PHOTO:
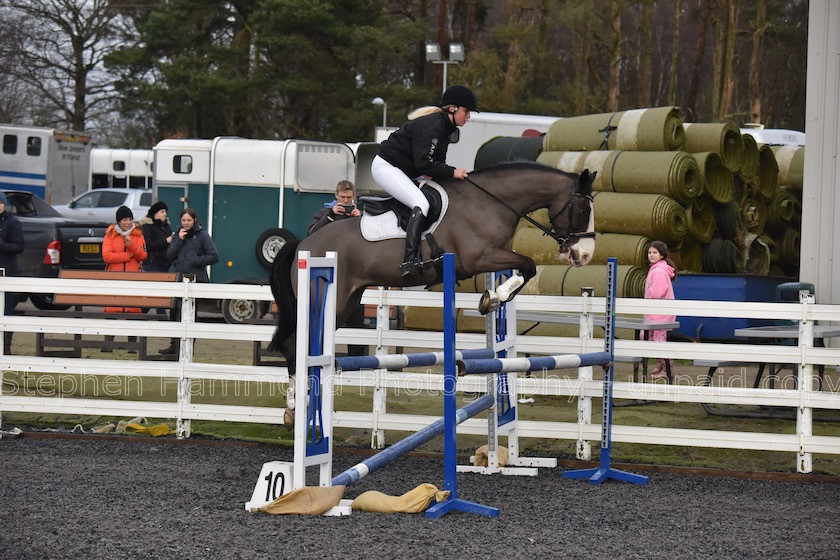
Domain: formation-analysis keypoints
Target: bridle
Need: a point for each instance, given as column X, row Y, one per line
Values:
column 561, row 240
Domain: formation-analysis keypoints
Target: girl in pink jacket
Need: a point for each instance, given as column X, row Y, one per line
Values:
column 659, row 286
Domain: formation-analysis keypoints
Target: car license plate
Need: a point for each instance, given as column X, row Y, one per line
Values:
column 88, row 248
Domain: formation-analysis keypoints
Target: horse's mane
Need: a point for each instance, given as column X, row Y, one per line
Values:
column 519, row 165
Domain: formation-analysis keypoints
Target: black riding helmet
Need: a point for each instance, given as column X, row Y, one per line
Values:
column 462, row 96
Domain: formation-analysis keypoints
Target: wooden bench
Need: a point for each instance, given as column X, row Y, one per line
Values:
column 56, row 345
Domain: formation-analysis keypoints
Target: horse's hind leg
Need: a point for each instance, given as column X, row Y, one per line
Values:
column 289, row 351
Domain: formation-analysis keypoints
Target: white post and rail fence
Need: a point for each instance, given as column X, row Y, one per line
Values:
column 804, row 396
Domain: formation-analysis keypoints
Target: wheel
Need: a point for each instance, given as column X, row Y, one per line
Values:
column 44, row 302
column 238, row 311
column 269, row 243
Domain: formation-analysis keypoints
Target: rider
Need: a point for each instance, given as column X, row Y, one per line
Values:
column 419, row 148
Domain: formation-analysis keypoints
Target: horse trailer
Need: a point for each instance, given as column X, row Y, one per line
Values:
column 50, row 163
column 252, row 196
column 120, row 168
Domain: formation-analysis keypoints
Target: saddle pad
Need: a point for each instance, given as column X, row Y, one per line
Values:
column 385, row 226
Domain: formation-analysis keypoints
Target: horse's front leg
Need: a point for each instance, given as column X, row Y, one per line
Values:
column 501, row 260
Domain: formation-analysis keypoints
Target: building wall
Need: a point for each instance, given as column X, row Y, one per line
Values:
column 820, row 250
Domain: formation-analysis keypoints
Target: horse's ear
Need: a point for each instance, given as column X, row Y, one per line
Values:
column 585, row 181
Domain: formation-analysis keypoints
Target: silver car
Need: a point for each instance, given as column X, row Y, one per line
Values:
column 101, row 205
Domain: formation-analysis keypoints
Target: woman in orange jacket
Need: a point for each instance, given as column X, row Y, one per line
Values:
column 124, row 249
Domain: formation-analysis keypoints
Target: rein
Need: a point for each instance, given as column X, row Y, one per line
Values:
column 560, row 239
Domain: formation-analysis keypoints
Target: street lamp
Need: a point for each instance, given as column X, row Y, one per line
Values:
column 433, row 55
column 381, row 102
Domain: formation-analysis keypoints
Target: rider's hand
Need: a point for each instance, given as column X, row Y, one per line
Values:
column 460, row 173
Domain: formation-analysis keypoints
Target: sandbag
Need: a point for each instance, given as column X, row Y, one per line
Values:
column 413, row 501
column 482, row 455
column 309, row 500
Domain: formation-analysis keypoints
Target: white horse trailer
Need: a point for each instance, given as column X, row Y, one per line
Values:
column 50, row 163
column 120, row 168
column 252, row 196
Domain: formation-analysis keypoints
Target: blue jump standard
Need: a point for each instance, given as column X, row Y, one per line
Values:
column 398, row 361
column 450, row 373
column 605, row 470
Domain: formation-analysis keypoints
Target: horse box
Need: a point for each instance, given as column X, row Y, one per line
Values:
column 722, row 287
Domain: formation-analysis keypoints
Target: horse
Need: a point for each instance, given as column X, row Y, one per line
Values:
column 478, row 226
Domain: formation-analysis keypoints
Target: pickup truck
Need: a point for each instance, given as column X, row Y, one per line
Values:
column 53, row 242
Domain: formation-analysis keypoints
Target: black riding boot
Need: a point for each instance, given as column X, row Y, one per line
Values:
column 412, row 243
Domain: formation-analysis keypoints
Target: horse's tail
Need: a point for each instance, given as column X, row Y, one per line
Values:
column 281, row 287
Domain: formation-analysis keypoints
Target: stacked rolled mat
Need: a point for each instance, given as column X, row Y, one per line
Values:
column 722, row 202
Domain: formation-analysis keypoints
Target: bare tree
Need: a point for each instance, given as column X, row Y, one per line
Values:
column 58, row 53
column 759, row 27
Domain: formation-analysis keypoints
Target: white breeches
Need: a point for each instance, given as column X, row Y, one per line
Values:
column 398, row 185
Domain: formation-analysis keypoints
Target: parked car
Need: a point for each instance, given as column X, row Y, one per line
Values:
column 53, row 242
column 100, row 205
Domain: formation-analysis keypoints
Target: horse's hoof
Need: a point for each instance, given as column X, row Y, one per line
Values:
column 488, row 303
column 289, row 419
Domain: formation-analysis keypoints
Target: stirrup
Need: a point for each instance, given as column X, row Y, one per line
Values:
column 410, row 269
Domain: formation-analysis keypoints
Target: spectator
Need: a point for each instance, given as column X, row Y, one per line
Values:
column 192, row 250
column 158, row 235
column 123, row 249
column 659, row 286
column 343, row 207
column 11, row 245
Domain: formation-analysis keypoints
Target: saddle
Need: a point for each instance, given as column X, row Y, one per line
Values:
column 378, row 205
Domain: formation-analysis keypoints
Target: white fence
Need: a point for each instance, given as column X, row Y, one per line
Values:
column 804, row 397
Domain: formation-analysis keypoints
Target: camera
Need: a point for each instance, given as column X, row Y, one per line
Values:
column 348, row 208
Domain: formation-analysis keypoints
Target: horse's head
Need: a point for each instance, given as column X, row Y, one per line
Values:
column 576, row 216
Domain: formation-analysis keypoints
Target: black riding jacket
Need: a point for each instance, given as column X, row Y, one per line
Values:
column 419, row 147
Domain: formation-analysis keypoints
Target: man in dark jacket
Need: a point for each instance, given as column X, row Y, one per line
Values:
column 11, row 245
column 343, row 207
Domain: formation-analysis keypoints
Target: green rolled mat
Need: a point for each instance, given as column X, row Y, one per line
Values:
column 772, row 246
column 749, row 158
column 768, row 171
column 755, row 211
column 673, row 174
column 503, row 149
column 783, row 210
column 730, row 222
column 725, row 139
column 563, row 280
column 756, row 256
column 630, row 250
column 791, row 162
column 532, row 242
column 789, row 250
column 688, row 255
column 656, row 129
column 652, row 215
column 701, row 220
column 716, row 177
column 721, row 256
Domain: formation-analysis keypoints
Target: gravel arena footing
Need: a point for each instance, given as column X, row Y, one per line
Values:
column 119, row 499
